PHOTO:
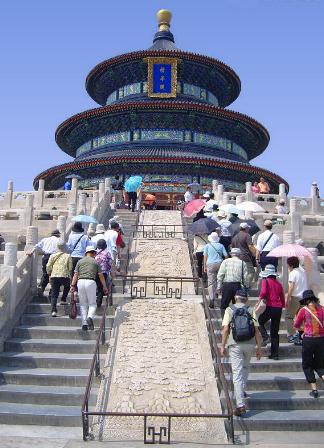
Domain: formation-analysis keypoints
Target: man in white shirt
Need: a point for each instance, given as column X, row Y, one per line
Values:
column 211, row 203
column 111, row 239
column 99, row 234
column 47, row 246
column 297, row 284
column 267, row 241
column 188, row 196
column 226, row 229
column 281, row 208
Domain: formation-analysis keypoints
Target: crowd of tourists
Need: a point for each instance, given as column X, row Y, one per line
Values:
column 232, row 263
column 84, row 264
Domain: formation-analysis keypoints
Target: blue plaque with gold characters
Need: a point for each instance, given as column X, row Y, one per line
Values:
column 162, row 77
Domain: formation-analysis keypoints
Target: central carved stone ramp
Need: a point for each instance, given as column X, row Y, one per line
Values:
column 159, row 359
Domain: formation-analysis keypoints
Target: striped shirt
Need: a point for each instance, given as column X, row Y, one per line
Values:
column 312, row 328
column 233, row 270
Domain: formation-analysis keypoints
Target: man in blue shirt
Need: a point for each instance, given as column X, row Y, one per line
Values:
column 214, row 254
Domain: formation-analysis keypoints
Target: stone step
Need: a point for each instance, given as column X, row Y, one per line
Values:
column 50, row 345
column 44, row 377
column 43, row 319
column 273, row 420
column 289, row 381
column 58, row 332
column 282, row 335
column 29, row 414
column 46, row 360
column 60, row 396
column 284, row 400
column 269, row 365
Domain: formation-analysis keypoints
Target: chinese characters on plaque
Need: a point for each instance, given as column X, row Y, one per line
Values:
column 162, row 77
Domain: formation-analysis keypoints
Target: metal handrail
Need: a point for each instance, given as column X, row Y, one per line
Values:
column 95, row 365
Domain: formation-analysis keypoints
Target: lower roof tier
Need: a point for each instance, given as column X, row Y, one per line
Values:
column 177, row 115
column 128, row 165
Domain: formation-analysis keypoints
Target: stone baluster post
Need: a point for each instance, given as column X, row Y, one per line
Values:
column 102, row 191
column 28, row 212
column 239, row 199
column 40, row 193
column 107, row 184
column 225, row 199
column 95, row 199
column 248, row 191
column 282, row 192
column 108, row 189
column 215, row 187
column 295, row 219
column 61, row 226
column 288, row 237
column 72, row 210
column 9, row 195
column 31, row 240
column 73, row 193
column 313, row 272
column 83, row 203
column 219, row 194
column 9, row 269
column 315, row 200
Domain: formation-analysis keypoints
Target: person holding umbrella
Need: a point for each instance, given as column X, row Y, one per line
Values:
column 214, row 254
column 77, row 243
column 311, row 318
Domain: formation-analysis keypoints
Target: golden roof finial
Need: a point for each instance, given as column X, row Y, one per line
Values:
column 164, row 19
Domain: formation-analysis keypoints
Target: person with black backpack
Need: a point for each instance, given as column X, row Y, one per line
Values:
column 240, row 334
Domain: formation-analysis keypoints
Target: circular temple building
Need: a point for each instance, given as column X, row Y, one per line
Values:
column 162, row 115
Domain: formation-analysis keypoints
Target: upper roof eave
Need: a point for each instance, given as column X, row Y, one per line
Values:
column 93, row 77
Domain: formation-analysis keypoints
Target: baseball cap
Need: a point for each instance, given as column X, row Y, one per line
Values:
column 244, row 225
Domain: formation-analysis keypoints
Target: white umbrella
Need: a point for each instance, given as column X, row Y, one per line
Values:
column 230, row 208
column 249, row 206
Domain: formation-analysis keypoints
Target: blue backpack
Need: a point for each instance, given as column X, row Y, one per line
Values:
column 242, row 324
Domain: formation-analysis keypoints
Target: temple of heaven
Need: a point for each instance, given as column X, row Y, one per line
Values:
column 162, row 115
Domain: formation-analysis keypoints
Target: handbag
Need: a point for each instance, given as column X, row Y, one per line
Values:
column 261, row 306
column 74, row 310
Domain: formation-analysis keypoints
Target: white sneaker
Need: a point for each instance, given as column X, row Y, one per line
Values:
column 54, row 314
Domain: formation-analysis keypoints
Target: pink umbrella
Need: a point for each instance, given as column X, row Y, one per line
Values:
column 290, row 250
column 193, row 207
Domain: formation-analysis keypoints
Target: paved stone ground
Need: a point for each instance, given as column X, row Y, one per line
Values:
column 161, row 359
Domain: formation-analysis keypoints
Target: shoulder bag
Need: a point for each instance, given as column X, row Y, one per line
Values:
column 261, row 306
column 314, row 315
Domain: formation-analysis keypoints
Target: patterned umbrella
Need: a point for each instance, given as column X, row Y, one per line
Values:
column 193, row 207
column 290, row 250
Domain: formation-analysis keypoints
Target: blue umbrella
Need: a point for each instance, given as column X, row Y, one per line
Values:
column 133, row 183
column 85, row 218
column 203, row 226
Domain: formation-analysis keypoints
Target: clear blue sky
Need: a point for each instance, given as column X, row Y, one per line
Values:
column 275, row 46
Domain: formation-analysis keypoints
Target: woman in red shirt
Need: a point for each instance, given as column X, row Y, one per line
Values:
column 311, row 318
column 273, row 293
